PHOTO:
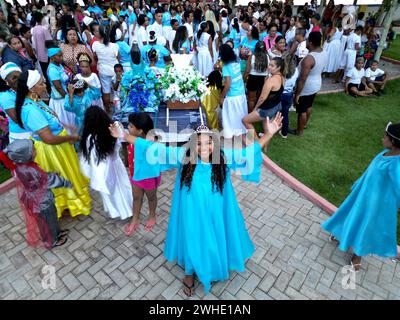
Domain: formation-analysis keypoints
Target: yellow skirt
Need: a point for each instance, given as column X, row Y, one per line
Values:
column 210, row 104
column 62, row 158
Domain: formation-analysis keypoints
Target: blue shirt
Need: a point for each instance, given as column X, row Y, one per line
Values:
column 7, row 101
column 55, row 73
column 124, row 52
column 235, row 36
column 263, row 35
column 161, row 51
column 232, row 70
column 151, row 18
column 35, row 119
column 251, row 45
column 177, row 17
column 123, row 13
column 185, row 45
column 132, row 18
column 166, row 19
column 96, row 10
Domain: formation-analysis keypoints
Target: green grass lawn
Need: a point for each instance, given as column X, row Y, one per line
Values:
column 4, row 174
column 394, row 51
column 342, row 138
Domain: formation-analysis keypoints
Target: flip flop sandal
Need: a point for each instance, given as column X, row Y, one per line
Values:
column 190, row 288
column 63, row 232
column 150, row 224
column 356, row 267
column 131, row 228
column 61, row 241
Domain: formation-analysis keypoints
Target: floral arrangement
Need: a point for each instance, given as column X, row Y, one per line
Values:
column 183, row 84
column 140, row 92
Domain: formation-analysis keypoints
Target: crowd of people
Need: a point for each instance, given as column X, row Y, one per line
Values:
column 261, row 61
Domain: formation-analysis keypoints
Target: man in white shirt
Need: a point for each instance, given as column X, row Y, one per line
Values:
column 157, row 27
column 189, row 24
column 172, row 33
column 376, row 78
column 353, row 45
column 299, row 47
column 141, row 34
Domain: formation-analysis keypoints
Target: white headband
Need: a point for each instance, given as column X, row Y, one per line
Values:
column 33, row 78
column 8, row 68
column 118, row 34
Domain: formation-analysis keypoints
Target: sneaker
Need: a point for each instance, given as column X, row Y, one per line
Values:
column 292, row 131
column 292, row 108
column 280, row 133
column 260, row 134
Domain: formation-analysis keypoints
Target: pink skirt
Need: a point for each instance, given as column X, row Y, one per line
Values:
column 147, row 184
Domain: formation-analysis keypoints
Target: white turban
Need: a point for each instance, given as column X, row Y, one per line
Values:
column 7, row 68
column 118, row 34
column 33, row 78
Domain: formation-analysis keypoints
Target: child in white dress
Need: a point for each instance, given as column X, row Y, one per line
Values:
column 100, row 162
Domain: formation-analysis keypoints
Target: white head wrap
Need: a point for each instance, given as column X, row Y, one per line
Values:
column 33, row 78
column 118, row 34
column 7, row 68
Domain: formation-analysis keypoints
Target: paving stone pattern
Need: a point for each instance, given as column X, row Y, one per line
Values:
column 293, row 259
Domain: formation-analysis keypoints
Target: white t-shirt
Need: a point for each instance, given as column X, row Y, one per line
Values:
column 290, row 34
column 93, row 80
column 106, row 56
column 158, row 29
column 189, row 28
column 302, row 50
column 141, row 35
column 291, row 82
column 171, row 37
column 356, row 75
column 352, row 40
column 373, row 74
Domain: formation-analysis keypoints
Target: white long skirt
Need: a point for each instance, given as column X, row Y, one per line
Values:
column 204, row 62
column 350, row 56
column 234, row 110
column 111, row 180
column 67, row 118
column 334, row 54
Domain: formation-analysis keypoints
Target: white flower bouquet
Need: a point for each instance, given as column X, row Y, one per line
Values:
column 183, row 84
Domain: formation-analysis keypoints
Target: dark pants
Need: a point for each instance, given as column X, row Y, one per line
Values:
column 286, row 101
column 51, row 230
column 44, row 66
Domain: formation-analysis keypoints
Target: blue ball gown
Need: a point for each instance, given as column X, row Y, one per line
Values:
column 206, row 231
column 367, row 219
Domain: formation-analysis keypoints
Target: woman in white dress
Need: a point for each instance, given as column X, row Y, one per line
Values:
column 215, row 40
column 204, row 50
column 332, row 47
column 100, row 162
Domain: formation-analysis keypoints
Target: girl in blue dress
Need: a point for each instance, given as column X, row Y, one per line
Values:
column 80, row 97
column 206, row 231
column 367, row 220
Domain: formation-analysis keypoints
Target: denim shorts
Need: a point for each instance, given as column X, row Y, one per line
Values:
column 270, row 113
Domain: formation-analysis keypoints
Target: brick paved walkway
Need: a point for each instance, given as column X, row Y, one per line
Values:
column 293, row 259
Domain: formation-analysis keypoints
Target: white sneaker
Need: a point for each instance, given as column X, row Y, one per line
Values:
column 280, row 133
column 292, row 108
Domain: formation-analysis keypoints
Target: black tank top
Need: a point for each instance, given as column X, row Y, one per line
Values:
column 273, row 99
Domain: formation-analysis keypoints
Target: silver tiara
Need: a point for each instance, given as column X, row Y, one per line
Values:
column 79, row 84
column 202, row 129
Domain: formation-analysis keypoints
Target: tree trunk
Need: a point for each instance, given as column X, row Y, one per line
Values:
column 386, row 26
